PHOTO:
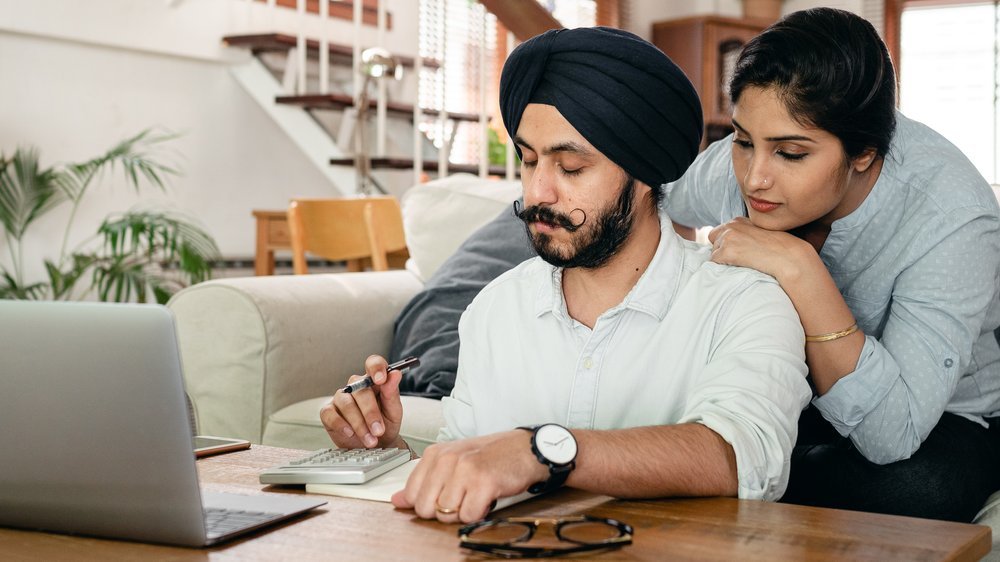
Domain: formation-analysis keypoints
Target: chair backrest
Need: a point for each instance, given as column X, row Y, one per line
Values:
column 345, row 229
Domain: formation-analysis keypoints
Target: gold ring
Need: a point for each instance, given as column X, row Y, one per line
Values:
column 444, row 510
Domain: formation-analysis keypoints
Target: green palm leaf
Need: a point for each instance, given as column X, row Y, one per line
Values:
column 152, row 253
column 11, row 289
column 142, row 254
column 26, row 191
column 138, row 157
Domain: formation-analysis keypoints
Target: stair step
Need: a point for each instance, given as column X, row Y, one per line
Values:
column 386, row 163
column 340, row 101
column 263, row 42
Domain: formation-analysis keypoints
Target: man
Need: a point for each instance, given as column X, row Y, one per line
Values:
column 621, row 360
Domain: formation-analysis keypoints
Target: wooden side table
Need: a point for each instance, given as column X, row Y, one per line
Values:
column 272, row 234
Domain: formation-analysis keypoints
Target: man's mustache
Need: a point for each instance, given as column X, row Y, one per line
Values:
column 540, row 213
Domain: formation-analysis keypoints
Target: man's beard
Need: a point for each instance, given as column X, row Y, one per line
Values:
column 593, row 247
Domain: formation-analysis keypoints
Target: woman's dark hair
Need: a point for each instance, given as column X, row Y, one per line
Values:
column 832, row 71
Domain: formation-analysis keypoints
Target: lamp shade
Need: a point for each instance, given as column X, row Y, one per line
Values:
column 376, row 62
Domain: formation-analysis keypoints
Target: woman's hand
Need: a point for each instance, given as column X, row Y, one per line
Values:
column 776, row 253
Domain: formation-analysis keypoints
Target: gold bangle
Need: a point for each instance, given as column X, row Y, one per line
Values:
column 833, row 335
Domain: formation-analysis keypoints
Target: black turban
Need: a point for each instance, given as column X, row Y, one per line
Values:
column 620, row 92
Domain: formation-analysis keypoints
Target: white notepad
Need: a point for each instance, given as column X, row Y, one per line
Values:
column 382, row 488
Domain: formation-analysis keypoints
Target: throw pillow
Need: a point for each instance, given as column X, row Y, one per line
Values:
column 440, row 214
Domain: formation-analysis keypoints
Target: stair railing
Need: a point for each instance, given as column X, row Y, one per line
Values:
column 296, row 81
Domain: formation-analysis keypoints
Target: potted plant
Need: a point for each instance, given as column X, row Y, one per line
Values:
column 138, row 255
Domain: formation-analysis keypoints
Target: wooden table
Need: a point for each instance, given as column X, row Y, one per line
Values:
column 680, row 529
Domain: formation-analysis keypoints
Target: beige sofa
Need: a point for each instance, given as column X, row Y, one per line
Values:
column 262, row 354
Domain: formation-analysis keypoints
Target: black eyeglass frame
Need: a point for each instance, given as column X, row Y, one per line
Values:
column 511, row 550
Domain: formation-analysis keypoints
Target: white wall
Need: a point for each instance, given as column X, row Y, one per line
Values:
column 80, row 76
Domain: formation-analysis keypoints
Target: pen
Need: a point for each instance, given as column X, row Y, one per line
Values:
column 367, row 381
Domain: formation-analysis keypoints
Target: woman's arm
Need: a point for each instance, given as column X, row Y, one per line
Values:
column 905, row 379
column 823, row 314
column 886, row 394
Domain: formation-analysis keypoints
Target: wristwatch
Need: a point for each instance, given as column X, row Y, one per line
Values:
column 555, row 447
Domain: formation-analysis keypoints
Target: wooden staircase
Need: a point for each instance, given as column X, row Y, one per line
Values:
column 342, row 55
column 523, row 18
column 343, row 101
column 271, row 42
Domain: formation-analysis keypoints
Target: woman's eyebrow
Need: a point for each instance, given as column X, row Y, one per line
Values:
column 782, row 138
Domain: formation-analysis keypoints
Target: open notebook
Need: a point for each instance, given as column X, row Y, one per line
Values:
column 382, row 488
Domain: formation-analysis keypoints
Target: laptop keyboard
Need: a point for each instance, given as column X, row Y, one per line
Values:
column 219, row 521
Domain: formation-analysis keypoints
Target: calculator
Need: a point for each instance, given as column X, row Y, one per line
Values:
column 337, row 466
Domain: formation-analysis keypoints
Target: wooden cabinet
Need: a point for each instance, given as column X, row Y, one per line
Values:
column 706, row 48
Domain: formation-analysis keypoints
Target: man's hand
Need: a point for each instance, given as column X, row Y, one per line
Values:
column 460, row 480
column 369, row 417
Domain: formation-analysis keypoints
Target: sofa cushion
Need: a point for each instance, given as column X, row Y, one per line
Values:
column 439, row 215
column 298, row 426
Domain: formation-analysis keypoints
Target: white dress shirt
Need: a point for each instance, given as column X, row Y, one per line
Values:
column 692, row 342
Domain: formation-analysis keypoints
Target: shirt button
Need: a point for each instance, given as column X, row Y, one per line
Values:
column 587, row 363
column 948, row 363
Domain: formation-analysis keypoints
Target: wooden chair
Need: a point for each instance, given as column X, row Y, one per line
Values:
column 348, row 230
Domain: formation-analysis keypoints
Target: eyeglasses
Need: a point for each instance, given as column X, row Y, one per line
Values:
column 504, row 537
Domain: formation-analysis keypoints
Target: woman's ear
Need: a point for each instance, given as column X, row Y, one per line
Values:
column 863, row 161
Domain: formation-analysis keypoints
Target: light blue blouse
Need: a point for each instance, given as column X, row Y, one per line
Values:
column 918, row 264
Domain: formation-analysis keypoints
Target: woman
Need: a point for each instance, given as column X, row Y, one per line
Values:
column 887, row 241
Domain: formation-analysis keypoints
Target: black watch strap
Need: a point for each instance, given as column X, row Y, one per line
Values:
column 558, row 473
column 557, row 477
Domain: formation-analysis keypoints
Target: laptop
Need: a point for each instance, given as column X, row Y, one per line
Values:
column 95, row 437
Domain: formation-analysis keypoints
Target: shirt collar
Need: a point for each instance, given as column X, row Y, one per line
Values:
column 652, row 294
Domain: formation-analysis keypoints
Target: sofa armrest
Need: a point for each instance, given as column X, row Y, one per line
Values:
column 251, row 346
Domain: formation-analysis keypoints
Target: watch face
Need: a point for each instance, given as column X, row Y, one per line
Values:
column 556, row 443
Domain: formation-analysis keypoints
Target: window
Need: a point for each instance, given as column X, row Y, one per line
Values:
column 451, row 32
column 572, row 13
column 949, row 71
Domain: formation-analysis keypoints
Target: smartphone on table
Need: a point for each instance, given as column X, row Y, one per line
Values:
column 206, row 445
